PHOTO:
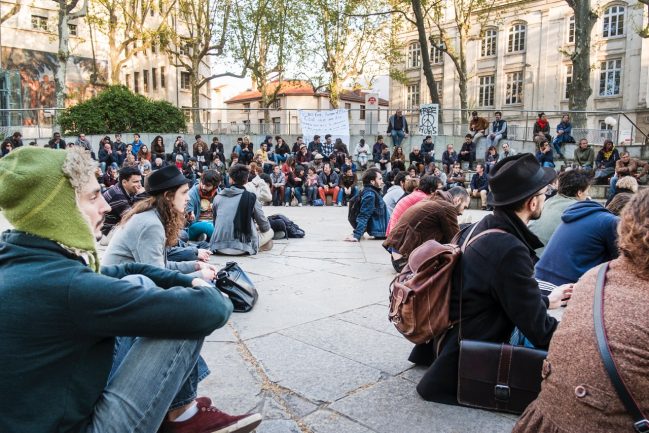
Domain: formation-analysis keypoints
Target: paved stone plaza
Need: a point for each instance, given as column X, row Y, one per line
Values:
column 317, row 353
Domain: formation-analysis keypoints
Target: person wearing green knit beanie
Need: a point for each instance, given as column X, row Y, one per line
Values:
column 39, row 190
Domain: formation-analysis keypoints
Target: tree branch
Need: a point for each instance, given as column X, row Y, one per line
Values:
column 12, row 12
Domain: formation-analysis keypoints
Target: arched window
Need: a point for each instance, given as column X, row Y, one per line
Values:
column 516, row 38
column 613, row 21
column 414, row 55
column 489, row 39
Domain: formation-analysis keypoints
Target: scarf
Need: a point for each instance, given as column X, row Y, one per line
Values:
column 243, row 217
column 607, row 155
column 542, row 123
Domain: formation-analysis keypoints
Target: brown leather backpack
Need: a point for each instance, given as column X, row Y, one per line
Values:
column 420, row 296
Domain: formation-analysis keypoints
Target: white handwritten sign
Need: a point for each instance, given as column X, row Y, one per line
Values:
column 428, row 119
column 334, row 122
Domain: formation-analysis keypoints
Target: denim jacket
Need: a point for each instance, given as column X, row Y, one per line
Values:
column 373, row 216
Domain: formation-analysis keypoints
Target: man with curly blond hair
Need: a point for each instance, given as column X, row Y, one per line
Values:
column 59, row 314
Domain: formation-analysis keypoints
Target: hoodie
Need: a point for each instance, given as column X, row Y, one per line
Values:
column 586, row 237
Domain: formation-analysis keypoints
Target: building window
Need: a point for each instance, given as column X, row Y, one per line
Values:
column 246, row 107
column 136, row 82
column 436, row 55
column 184, row 80
column 412, row 96
column 514, row 88
column 39, row 22
column 414, row 55
column 184, row 49
column 275, row 105
column 605, row 130
column 566, row 94
column 613, row 22
column 489, row 39
column 145, row 80
column 154, row 79
column 362, row 112
column 609, row 77
column 72, row 29
column 516, row 41
column 154, row 47
column 128, row 80
column 487, row 90
column 163, row 78
column 571, row 30
column 348, row 107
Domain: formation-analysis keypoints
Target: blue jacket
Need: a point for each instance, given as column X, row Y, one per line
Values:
column 373, row 216
column 480, row 183
column 586, row 237
column 194, row 202
column 58, row 330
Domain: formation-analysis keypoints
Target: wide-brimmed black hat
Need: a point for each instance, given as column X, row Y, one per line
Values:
column 517, row 177
column 163, row 179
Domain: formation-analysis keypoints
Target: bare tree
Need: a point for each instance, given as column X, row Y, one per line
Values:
column 129, row 27
column 12, row 12
column 201, row 36
column 464, row 11
column 65, row 15
column 580, row 90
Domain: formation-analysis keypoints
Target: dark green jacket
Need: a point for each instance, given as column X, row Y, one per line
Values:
column 58, row 320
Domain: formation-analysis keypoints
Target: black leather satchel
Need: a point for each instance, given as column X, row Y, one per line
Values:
column 640, row 422
column 233, row 281
column 498, row 377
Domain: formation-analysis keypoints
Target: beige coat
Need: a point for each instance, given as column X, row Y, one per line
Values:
column 577, row 395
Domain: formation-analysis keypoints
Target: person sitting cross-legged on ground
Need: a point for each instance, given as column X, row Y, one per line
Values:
column 434, row 218
column 427, row 186
column 498, row 291
column 278, row 185
column 200, row 215
column 574, row 186
column 347, row 185
column 66, row 341
column 396, row 191
column 577, row 394
column 586, row 237
column 480, row 185
column 373, row 215
column 328, row 184
column 238, row 213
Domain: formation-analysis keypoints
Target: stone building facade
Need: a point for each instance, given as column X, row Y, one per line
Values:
column 517, row 63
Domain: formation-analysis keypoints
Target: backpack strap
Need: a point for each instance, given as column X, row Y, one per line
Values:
column 640, row 424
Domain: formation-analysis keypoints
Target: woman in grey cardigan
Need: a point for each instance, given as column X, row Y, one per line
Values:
column 237, row 213
column 154, row 224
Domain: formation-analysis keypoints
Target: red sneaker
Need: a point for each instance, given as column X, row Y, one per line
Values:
column 211, row 420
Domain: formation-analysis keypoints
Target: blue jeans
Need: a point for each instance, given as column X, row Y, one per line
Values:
column 613, row 187
column 197, row 228
column 344, row 198
column 311, row 194
column 397, row 137
column 297, row 191
column 124, row 345
column 548, row 164
column 140, row 391
column 280, row 158
column 103, row 166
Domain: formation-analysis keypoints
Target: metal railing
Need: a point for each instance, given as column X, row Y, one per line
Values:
column 41, row 123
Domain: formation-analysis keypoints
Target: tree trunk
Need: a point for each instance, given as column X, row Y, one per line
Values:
column 462, row 73
column 334, row 90
column 580, row 90
column 196, row 115
column 62, row 55
column 114, row 51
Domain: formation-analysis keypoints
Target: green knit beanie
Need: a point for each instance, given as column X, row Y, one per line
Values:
column 36, row 197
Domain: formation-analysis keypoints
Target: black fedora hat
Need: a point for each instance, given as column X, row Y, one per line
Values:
column 517, row 177
column 163, row 179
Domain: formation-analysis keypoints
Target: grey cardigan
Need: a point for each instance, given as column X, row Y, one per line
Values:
column 142, row 240
column 225, row 208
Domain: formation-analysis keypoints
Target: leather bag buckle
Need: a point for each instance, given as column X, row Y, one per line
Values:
column 641, row 426
column 501, row 393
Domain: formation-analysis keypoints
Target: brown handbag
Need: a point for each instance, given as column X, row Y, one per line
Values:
column 498, row 376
